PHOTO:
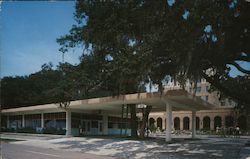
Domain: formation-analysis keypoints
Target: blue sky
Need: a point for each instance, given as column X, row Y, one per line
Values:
column 28, row 35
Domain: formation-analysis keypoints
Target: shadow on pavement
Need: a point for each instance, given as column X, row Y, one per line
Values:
column 156, row 148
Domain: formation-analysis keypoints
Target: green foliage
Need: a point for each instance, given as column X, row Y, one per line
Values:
column 130, row 43
column 149, row 40
column 66, row 82
column 26, row 130
column 29, row 90
column 152, row 128
column 7, row 129
column 55, row 131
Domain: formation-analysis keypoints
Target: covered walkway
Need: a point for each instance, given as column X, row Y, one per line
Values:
column 172, row 100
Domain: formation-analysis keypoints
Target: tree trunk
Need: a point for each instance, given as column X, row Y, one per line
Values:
column 145, row 114
column 133, row 120
column 248, row 120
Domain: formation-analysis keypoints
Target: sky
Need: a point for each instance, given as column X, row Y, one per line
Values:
column 28, row 33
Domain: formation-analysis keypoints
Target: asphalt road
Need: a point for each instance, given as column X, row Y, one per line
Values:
column 13, row 151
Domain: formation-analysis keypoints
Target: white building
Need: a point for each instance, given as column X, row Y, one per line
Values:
column 223, row 116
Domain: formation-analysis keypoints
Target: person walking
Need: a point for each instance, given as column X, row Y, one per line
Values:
column 237, row 131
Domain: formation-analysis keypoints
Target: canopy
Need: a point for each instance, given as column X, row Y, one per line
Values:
column 178, row 99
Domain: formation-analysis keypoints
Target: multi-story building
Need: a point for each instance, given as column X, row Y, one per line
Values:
column 225, row 114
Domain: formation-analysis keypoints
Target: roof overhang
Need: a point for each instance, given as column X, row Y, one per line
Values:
column 180, row 100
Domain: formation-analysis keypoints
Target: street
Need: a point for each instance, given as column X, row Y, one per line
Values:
column 13, row 151
column 36, row 146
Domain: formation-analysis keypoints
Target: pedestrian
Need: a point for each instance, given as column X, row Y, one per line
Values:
column 217, row 130
column 237, row 131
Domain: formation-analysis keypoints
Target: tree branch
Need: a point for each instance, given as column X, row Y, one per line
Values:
column 227, row 91
column 243, row 58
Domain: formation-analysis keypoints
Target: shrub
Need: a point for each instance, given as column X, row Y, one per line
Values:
column 7, row 129
column 55, row 131
column 26, row 130
column 152, row 128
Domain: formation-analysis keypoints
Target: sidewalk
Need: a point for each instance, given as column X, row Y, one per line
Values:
column 245, row 153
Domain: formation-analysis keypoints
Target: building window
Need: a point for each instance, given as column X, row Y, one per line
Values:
column 88, row 126
column 159, row 123
column 206, row 98
column 206, row 123
column 190, row 90
column 94, row 124
column 151, row 122
column 177, row 123
column 229, row 121
column 15, row 121
column 33, row 120
column 222, row 103
column 186, row 123
column 207, row 88
column 122, row 125
column 198, row 89
column 197, row 123
column 111, row 125
column 217, row 122
column 100, row 128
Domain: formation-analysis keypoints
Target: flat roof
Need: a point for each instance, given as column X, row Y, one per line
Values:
column 179, row 100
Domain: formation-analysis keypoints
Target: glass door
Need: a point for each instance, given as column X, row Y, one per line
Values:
column 88, row 127
column 100, row 127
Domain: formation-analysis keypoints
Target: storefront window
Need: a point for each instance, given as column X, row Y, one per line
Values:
column 55, row 120
column 94, row 124
column 110, row 125
column 15, row 121
column 33, row 120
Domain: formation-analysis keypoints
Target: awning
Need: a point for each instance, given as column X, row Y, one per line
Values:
column 180, row 100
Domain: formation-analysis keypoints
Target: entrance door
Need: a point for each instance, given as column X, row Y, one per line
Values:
column 86, row 125
column 92, row 127
column 100, row 127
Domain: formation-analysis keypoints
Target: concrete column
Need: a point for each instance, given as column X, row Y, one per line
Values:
column 163, row 123
column 190, row 122
column 68, row 123
column 23, row 121
column 42, row 120
column 181, row 123
column 223, row 121
column 105, row 124
column 169, row 122
column 211, row 124
column 201, row 122
column 193, row 124
column 8, row 121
